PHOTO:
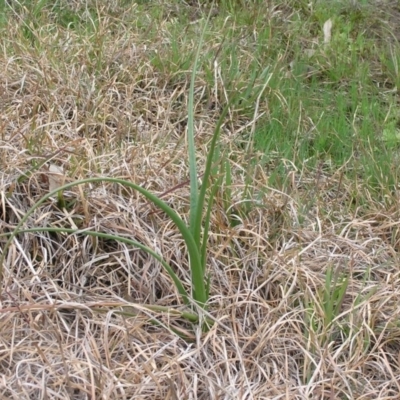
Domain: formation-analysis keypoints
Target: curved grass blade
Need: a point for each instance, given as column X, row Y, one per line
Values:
column 197, row 275
column 121, row 239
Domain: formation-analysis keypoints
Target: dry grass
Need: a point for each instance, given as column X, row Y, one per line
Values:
column 62, row 331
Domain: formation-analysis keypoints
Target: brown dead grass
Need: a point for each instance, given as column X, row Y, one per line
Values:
column 62, row 333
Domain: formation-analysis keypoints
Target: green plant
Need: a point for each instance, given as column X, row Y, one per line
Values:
column 323, row 317
column 325, row 310
column 195, row 233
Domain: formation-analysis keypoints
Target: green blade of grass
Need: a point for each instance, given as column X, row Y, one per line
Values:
column 207, row 219
column 196, row 204
column 208, row 169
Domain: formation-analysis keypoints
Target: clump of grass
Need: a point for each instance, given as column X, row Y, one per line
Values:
column 325, row 103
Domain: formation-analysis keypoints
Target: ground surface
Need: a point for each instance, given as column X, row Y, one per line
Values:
column 304, row 242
